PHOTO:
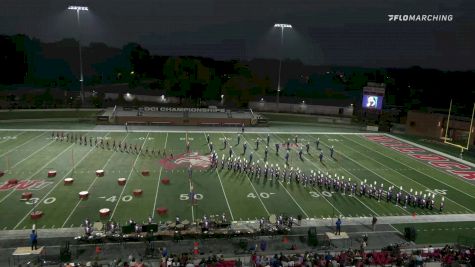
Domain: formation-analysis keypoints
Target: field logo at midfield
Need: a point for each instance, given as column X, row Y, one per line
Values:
column 25, row 185
column 184, row 160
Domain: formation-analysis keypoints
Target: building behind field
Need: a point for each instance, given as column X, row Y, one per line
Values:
column 433, row 125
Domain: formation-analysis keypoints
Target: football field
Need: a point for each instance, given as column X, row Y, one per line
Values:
column 27, row 156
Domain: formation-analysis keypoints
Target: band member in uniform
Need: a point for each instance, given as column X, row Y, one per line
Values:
column 277, row 146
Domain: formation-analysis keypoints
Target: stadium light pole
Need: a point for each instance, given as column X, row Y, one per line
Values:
column 78, row 10
column 282, row 26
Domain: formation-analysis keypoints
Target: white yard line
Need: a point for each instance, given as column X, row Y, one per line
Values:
column 38, row 171
column 288, row 193
column 16, row 147
column 399, row 174
column 90, row 186
column 294, row 200
column 192, row 200
column 32, row 154
column 222, row 188
column 158, row 183
column 6, row 140
column 194, row 131
column 128, row 177
column 51, row 190
column 191, row 189
column 320, row 194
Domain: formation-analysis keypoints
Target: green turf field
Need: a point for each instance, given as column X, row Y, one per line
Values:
column 28, row 155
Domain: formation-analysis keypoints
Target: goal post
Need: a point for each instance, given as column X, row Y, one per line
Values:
column 451, row 140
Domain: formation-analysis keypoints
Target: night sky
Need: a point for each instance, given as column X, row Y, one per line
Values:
column 330, row 32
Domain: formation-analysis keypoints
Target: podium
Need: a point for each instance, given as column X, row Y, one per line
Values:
column 23, row 254
column 343, row 240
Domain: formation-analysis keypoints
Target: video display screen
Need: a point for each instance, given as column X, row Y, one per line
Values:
column 372, row 102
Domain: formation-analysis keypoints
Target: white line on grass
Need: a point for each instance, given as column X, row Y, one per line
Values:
column 316, row 188
column 195, row 131
column 38, row 171
column 386, row 156
column 6, row 140
column 257, row 194
column 32, row 154
column 222, row 188
column 16, row 147
column 323, row 143
column 192, row 200
column 158, row 183
column 401, row 175
column 90, row 186
column 49, row 192
column 364, row 168
column 288, row 193
column 191, row 190
column 130, row 173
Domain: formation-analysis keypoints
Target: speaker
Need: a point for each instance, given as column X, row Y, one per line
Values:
column 150, row 227
column 410, row 233
column 127, row 229
column 312, row 236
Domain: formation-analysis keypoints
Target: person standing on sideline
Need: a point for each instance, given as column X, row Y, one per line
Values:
column 373, row 222
column 126, row 129
column 338, row 227
column 33, row 239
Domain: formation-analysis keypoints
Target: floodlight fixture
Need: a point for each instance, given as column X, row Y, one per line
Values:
column 78, row 8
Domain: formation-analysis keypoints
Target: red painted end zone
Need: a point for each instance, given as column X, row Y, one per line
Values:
column 430, row 158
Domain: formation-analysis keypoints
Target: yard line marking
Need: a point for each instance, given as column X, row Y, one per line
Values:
column 190, row 131
column 225, row 197
column 222, row 187
column 294, row 199
column 191, row 190
column 16, row 147
column 399, row 174
column 429, row 176
column 3, row 141
column 288, row 193
column 192, row 209
column 366, row 169
column 130, row 173
column 32, row 154
column 158, row 183
column 90, row 186
column 38, row 171
column 257, row 194
column 315, row 187
column 49, row 192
